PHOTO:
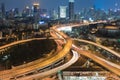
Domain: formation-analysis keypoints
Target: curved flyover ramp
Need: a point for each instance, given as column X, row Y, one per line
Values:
column 115, row 68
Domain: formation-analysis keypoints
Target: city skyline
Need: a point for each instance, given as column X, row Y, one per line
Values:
column 79, row 4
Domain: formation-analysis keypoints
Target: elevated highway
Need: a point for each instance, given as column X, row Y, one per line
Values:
column 105, row 63
column 115, row 68
column 13, row 73
column 30, row 72
column 98, row 45
column 54, row 70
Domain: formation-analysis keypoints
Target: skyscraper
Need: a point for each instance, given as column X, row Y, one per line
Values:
column 36, row 14
column 3, row 9
column 36, row 7
column 27, row 11
column 71, row 9
column 16, row 12
column 36, row 11
column 62, row 11
column 54, row 14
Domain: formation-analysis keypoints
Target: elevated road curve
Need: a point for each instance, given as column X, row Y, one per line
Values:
column 98, row 45
column 34, row 68
column 105, row 63
column 23, row 71
column 108, row 65
column 54, row 70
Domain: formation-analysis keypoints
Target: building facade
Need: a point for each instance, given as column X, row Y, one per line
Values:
column 62, row 11
column 71, row 9
column 3, row 9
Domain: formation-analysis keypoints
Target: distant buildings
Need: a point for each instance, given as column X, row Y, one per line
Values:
column 62, row 11
column 16, row 12
column 71, row 9
column 26, row 11
column 36, row 14
column 10, row 14
column 36, row 11
column 36, row 8
column 109, row 31
column 3, row 9
column 54, row 14
column 43, row 12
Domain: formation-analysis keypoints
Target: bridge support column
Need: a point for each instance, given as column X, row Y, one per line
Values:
column 60, row 77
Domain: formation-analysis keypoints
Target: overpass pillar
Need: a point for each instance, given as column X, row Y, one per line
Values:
column 60, row 77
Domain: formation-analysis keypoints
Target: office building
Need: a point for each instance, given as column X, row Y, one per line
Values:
column 16, row 12
column 26, row 11
column 62, row 11
column 35, row 7
column 54, row 14
column 36, row 14
column 71, row 9
column 3, row 9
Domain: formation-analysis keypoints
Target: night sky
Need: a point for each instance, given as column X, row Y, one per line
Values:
column 53, row 4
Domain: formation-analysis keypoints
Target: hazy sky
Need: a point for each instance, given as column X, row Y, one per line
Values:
column 53, row 4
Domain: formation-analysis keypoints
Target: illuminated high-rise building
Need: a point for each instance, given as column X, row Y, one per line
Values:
column 54, row 14
column 71, row 9
column 3, row 9
column 27, row 11
column 36, row 14
column 16, row 12
column 62, row 11
column 36, row 7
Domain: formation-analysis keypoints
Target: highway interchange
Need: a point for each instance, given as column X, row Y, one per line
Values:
column 107, row 64
column 6, row 75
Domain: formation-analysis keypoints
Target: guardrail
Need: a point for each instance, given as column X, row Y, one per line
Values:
column 38, row 70
column 54, row 70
